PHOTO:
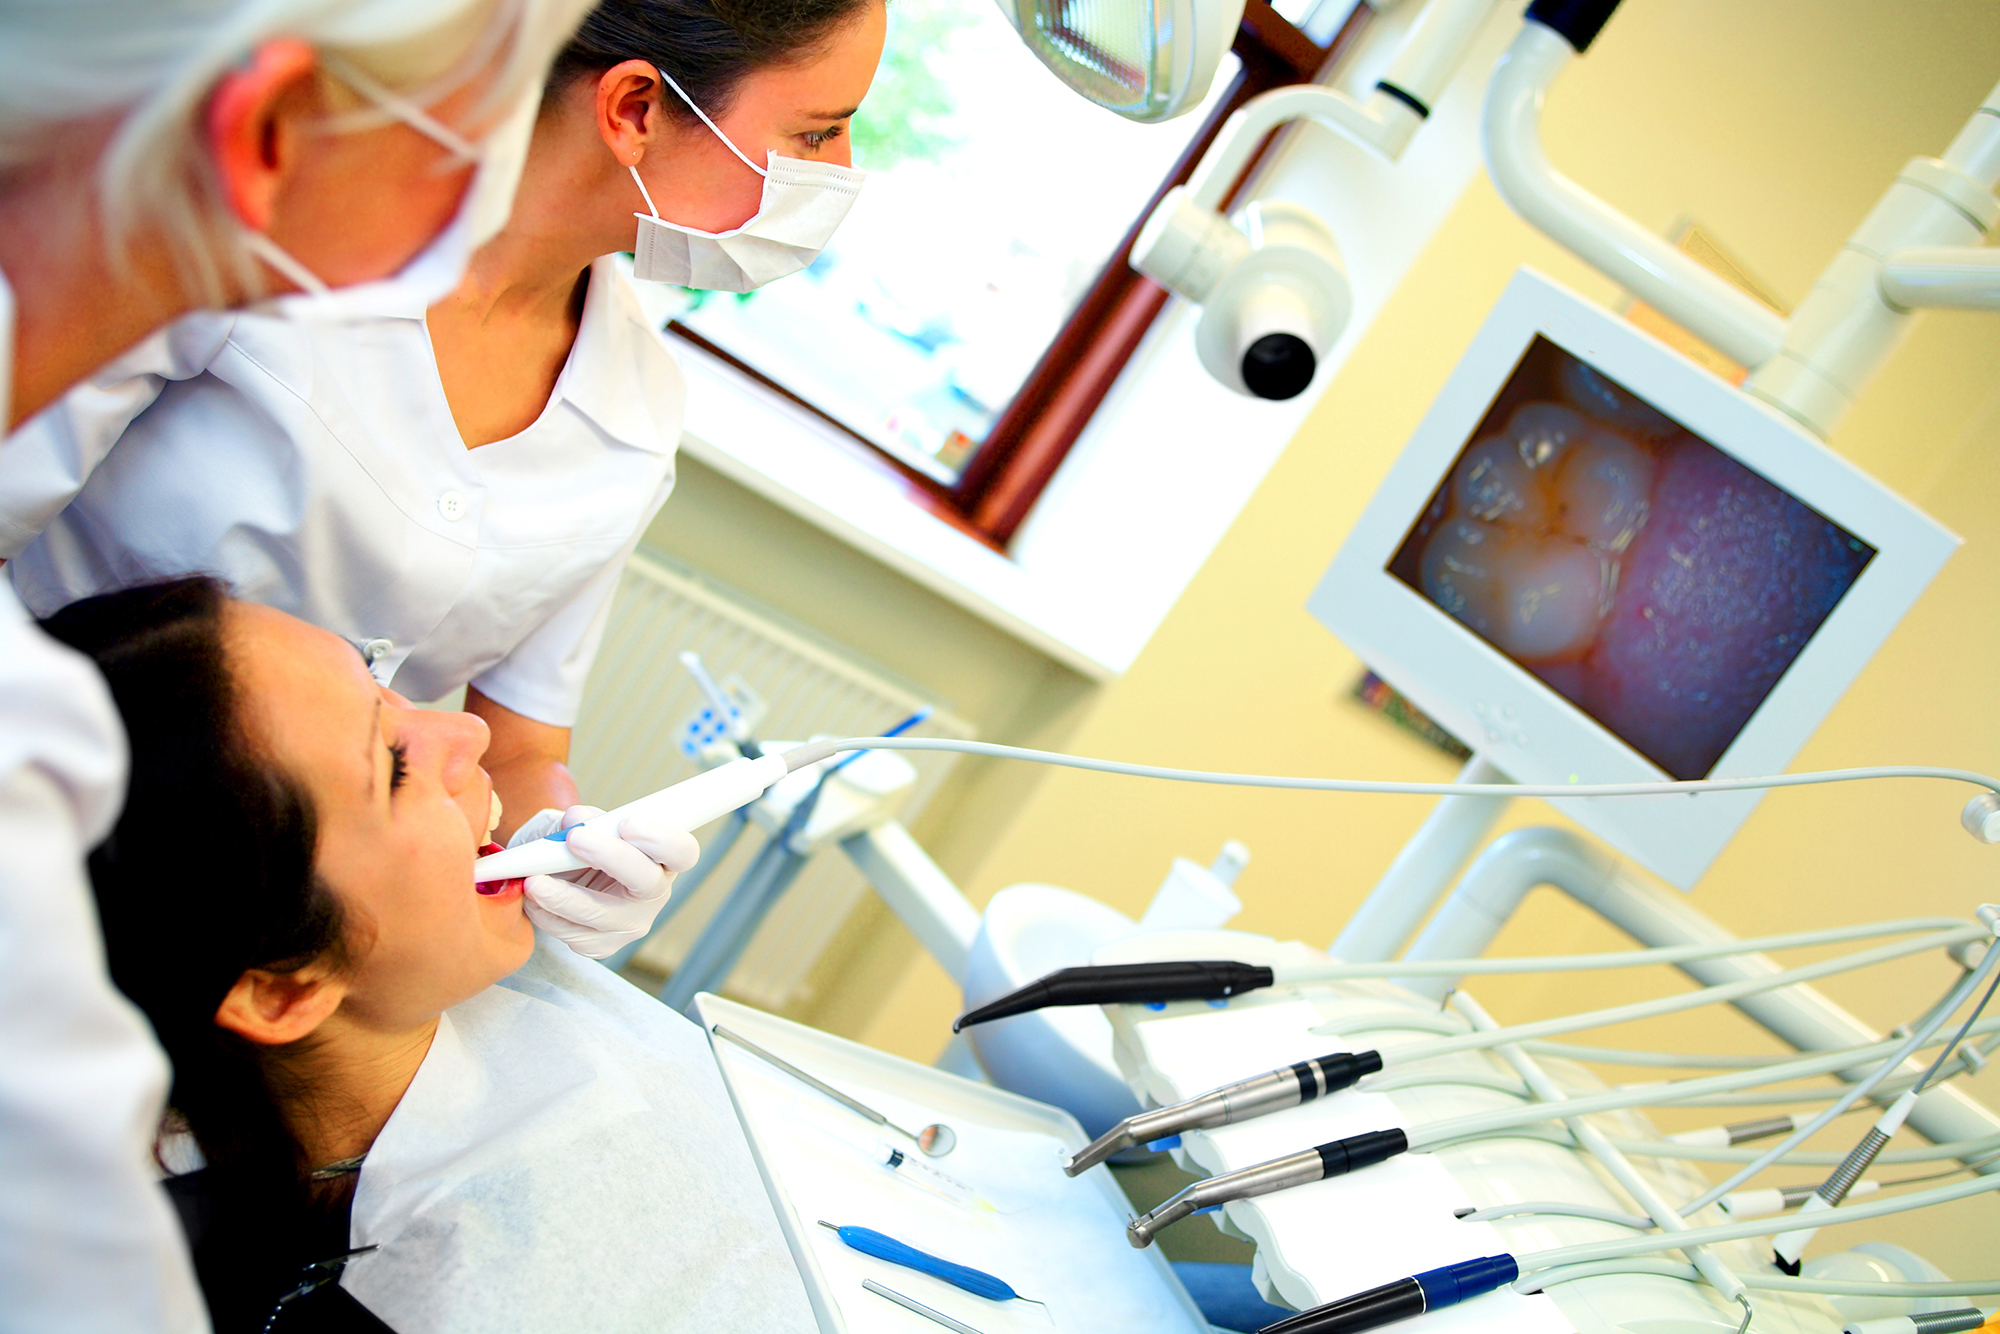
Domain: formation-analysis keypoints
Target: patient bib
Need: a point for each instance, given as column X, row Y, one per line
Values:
column 567, row 1158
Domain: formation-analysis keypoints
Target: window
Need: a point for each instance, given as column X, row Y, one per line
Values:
column 976, row 305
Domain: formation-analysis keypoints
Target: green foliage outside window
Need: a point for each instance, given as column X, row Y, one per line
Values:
column 907, row 116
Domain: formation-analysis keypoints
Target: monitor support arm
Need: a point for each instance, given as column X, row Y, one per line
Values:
column 1647, row 265
column 1919, row 246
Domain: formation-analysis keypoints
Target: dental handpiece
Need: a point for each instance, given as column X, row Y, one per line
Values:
column 688, row 804
column 1259, row 1096
column 1334, row 1158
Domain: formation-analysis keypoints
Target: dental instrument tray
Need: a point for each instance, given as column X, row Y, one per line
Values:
column 1061, row 1241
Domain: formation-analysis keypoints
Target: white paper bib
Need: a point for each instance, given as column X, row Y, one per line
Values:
column 567, row 1158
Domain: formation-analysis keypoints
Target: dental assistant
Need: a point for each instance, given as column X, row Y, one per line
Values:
column 455, row 489
column 159, row 158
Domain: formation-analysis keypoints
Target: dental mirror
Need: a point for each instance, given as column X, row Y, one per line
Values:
column 934, row 1140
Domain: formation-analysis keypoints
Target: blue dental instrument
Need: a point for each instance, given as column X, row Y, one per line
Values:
column 883, row 1247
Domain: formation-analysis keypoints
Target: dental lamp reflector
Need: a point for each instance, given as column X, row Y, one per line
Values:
column 1147, row 60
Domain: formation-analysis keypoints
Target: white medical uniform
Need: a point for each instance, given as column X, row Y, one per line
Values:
column 87, row 1239
column 315, row 466
column 567, row 1158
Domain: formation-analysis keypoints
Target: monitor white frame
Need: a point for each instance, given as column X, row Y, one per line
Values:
column 1523, row 726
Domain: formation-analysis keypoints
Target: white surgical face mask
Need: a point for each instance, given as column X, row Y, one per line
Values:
column 803, row 202
column 437, row 269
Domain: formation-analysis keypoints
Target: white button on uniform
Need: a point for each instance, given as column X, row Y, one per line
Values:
column 375, row 650
column 452, row 505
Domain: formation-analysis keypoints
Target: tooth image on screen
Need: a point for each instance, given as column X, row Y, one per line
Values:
column 1654, row 581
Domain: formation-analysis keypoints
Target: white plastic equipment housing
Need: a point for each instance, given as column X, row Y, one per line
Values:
column 1195, row 897
column 689, row 804
column 1919, row 246
column 1648, row 266
column 1430, row 55
column 1290, row 281
column 1186, row 247
column 1850, row 322
column 1943, row 276
column 1284, row 276
column 1981, row 817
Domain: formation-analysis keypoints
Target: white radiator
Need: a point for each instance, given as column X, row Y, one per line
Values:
column 626, row 745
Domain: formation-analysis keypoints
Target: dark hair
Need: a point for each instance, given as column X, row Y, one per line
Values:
column 208, row 872
column 708, row 46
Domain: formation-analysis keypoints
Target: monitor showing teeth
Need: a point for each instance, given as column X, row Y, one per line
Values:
column 1650, row 578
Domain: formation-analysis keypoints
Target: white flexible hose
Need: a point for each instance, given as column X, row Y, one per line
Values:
column 1876, row 1207
column 1931, row 1153
column 1576, row 963
column 814, row 751
column 1714, row 995
column 1966, row 988
column 1837, row 1287
column 1479, row 1123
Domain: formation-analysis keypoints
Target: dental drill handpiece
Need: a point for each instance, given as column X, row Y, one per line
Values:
column 1261, row 1095
column 1334, row 1158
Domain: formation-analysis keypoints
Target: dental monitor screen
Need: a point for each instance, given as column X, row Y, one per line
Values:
column 1594, row 561
column 1638, row 571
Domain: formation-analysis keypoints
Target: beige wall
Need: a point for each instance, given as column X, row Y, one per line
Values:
column 1774, row 125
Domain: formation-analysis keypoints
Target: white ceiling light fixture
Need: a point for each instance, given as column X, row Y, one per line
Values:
column 1147, row 60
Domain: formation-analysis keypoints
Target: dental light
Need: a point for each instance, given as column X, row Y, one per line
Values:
column 1147, row 60
column 1273, row 295
column 1273, row 292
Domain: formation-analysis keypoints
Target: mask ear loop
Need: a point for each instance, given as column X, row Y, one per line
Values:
column 643, row 193
column 264, row 248
column 402, row 108
column 713, row 127
column 418, row 119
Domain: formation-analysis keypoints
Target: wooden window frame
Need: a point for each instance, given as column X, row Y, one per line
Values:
column 1028, row 442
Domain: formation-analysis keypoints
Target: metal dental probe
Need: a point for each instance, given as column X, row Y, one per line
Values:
column 1259, row 1095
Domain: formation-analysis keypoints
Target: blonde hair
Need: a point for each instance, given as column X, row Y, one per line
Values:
column 154, row 62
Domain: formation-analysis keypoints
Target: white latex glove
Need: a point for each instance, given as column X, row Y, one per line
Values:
column 597, row 911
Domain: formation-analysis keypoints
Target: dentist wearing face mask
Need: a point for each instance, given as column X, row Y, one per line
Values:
column 453, row 481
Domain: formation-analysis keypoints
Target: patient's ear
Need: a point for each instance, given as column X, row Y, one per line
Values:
column 278, row 1008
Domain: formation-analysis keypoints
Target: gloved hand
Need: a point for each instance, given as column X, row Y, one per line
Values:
column 596, row 912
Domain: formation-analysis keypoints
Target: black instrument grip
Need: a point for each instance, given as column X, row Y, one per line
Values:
column 1341, row 1156
column 1401, row 1300
column 1119, row 983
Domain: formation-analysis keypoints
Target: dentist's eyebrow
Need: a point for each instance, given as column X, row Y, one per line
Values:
column 833, row 115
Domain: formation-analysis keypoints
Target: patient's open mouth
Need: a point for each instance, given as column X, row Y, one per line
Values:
column 496, row 888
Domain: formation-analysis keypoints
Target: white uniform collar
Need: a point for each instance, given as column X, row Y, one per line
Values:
column 620, row 373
